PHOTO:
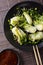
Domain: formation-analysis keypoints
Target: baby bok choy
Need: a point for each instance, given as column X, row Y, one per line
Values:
column 39, row 23
column 36, row 36
column 29, row 28
column 14, row 20
column 28, row 18
column 21, row 36
column 17, row 20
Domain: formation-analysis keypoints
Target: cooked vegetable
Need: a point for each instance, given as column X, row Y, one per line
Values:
column 36, row 36
column 29, row 28
column 14, row 20
column 17, row 20
column 41, row 19
column 39, row 25
column 21, row 36
column 28, row 18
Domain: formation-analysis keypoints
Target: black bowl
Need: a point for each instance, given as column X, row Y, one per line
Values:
column 10, row 14
column 7, row 54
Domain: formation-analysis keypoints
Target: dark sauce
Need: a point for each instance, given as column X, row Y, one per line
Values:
column 8, row 58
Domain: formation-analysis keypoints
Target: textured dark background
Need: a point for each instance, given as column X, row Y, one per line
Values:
column 27, row 57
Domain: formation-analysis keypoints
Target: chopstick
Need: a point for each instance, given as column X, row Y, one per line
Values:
column 37, row 55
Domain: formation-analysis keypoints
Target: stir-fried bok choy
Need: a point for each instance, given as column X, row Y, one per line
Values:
column 27, row 26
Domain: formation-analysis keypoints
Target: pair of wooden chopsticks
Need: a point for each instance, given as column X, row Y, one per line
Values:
column 37, row 55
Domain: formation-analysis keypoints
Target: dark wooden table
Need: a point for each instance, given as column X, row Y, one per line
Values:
column 27, row 57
